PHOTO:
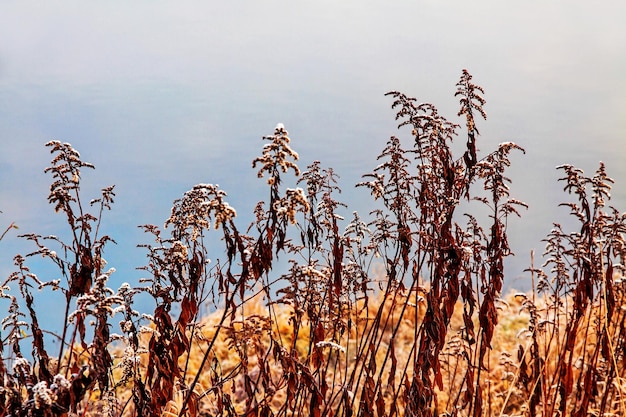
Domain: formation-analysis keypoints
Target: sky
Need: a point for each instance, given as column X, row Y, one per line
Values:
column 162, row 95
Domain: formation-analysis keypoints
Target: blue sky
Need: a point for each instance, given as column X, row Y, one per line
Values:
column 163, row 95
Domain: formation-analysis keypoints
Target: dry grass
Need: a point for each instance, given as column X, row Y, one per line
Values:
column 502, row 388
column 398, row 314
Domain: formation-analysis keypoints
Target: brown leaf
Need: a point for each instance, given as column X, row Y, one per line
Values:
column 380, row 403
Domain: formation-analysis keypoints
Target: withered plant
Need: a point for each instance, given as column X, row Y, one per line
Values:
column 574, row 363
column 391, row 313
column 53, row 385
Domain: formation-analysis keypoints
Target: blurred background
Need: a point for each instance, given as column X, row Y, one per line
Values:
column 160, row 96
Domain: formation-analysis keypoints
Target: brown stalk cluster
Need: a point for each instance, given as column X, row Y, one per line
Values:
column 395, row 314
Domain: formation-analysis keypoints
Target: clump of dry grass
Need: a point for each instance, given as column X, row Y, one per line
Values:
column 397, row 314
